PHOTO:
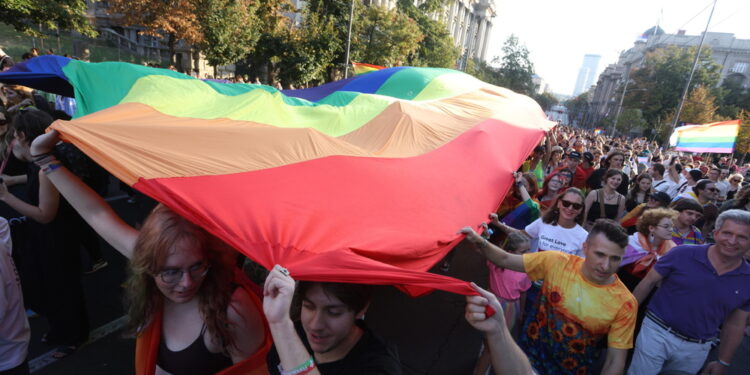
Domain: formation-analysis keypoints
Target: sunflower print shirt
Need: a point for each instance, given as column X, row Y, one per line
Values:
column 572, row 316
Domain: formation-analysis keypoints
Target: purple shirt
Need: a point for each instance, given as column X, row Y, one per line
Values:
column 693, row 299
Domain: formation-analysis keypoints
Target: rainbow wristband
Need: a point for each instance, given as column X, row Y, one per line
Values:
column 725, row 364
column 304, row 368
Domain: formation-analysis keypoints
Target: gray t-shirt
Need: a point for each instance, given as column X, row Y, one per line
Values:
column 14, row 326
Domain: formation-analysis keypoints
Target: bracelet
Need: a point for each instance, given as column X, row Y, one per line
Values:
column 304, row 368
column 51, row 167
column 45, row 159
column 725, row 364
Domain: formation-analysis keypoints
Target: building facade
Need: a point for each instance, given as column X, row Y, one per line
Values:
column 587, row 73
column 731, row 53
column 468, row 21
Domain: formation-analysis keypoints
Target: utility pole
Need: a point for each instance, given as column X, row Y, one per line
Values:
column 692, row 71
column 349, row 41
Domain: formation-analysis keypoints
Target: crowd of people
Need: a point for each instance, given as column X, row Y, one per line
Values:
column 607, row 255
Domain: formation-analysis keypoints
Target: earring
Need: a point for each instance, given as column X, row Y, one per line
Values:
column 651, row 238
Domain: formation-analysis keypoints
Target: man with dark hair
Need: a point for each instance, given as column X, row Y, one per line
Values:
column 703, row 295
column 331, row 327
column 660, row 183
column 582, row 302
column 684, row 231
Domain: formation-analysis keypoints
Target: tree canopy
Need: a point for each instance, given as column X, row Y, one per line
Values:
column 657, row 86
column 23, row 15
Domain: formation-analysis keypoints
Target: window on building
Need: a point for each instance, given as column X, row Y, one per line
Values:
column 739, row 67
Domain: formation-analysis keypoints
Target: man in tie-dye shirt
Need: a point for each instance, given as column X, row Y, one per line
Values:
column 582, row 303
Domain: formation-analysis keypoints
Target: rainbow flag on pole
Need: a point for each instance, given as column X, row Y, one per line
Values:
column 717, row 137
column 362, row 68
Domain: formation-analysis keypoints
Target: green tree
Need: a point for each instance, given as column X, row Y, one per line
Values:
column 657, row 86
column 743, row 136
column 230, row 30
column 24, row 15
column 310, row 50
column 384, row 37
column 630, row 119
column 173, row 20
column 516, row 70
column 577, row 108
column 732, row 98
column 272, row 43
column 437, row 49
column 546, row 100
column 699, row 107
column 338, row 10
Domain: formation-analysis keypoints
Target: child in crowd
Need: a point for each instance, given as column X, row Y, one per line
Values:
column 510, row 288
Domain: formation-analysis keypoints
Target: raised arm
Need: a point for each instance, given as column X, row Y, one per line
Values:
column 507, row 357
column 278, row 292
column 87, row 202
column 493, row 253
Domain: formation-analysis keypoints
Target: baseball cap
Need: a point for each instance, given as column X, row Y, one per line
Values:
column 588, row 156
column 557, row 148
column 574, row 155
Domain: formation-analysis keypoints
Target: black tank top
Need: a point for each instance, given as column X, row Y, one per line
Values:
column 610, row 210
column 193, row 360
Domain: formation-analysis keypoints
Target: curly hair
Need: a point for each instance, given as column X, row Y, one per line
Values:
column 652, row 217
column 162, row 234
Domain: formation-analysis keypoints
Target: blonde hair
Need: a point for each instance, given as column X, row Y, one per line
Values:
column 652, row 217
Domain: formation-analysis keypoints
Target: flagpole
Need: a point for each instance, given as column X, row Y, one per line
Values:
column 692, row 71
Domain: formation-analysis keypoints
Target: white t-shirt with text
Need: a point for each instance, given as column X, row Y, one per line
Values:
column 556, row 238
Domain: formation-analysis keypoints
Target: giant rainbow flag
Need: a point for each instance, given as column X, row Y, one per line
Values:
column 365, row 180
column 717, row 137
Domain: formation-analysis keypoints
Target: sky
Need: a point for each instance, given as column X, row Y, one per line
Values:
column 559, row 33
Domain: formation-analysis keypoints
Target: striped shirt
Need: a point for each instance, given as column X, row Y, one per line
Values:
column 694, row 237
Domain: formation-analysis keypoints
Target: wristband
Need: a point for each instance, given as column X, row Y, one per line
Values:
column 725, row 364
column 51, row 167
column 304, row 368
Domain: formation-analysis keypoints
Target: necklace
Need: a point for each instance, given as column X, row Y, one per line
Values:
column 609, row 197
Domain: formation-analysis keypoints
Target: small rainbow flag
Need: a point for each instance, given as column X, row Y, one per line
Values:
column 598, row 131
column 362, row 68
column 717, row 137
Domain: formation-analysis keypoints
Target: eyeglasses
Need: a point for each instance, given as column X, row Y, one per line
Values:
column 173, row 276
column 666, row 226
column 566, row 204
column 713, row 190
